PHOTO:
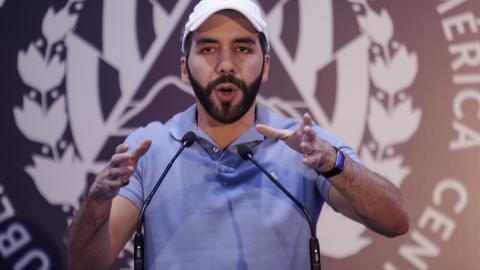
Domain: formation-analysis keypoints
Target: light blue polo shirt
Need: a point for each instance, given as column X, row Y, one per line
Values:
column 215, row 210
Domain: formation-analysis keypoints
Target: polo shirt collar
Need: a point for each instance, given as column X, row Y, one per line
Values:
column 186, row 121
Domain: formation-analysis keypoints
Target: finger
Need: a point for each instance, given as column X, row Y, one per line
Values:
column 307, row 119
column 142, row 149
column 312, row 161
column 125, row 182
column 309, row 161
column 309, row 134
column 120, row 181
column 275, row 133
column 119, row 159
column 120, row 172
column 121, row 148
column 115, row 185
column 307, row 148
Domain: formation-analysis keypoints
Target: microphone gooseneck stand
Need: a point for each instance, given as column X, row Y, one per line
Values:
column 246, row 153
column 187, row 140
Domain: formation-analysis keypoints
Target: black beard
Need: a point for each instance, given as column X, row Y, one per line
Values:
column 226, row 113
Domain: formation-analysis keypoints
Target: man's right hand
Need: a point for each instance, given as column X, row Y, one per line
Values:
column 118, row 171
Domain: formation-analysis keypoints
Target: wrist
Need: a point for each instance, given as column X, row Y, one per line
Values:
column 100, row 195
column 334, row 164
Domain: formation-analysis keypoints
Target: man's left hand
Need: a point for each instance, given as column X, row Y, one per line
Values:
column 317, row 154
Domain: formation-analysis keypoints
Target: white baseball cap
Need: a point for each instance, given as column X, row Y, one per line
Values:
column 207, row 8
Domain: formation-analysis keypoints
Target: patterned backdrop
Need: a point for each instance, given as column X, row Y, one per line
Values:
column 398, row 80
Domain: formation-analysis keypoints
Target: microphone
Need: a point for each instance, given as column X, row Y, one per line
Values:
column 246, row 153
column 187, row 140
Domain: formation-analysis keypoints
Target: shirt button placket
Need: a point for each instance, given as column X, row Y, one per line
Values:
column 216, row 152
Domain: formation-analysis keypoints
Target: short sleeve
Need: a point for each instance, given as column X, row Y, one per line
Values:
column 323, row 184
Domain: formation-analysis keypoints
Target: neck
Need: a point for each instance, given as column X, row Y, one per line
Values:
column 224, row 134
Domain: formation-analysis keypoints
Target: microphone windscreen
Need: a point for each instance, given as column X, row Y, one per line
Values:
column 244, row 151
column 188, row 138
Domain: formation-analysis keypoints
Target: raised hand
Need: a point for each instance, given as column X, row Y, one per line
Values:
column 318, row 154
column 118, row 170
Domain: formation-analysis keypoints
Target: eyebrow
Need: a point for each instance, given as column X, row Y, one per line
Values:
column 201, row 41
column 244, row 40
column 207, row 40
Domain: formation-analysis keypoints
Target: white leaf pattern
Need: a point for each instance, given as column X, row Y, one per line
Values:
column 396, row 75
column 391, row 167
column 378, row 26
column 66, row 175
column 38, row 126
column 389, row 124
column 56, row 25
column 44, row 122
column 393, row 128
column 38, row 73
column 340, row 236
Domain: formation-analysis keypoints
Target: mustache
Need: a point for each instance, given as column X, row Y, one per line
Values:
column 226, row 79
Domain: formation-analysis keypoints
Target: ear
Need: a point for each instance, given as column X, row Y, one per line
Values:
column 266, row 67
column 183, row 70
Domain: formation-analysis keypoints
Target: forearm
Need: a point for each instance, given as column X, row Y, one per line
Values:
column 362, row 195
column 99, row 231
column 89, row 237
column 377, row 202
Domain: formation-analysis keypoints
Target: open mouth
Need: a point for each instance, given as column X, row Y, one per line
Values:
column 226, row 87
column 226, row 90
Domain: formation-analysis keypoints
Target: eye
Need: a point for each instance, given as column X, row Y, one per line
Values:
column 244, row 49
column 207, row 50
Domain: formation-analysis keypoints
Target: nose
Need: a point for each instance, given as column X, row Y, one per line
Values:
column 226, row 63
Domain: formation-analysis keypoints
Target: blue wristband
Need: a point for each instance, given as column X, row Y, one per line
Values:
column 339, row 164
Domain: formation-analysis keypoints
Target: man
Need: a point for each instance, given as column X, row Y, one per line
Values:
column 214, row 210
